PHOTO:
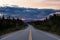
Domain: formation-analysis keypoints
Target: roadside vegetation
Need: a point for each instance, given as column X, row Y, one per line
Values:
column 8, row 25
column 50, row 25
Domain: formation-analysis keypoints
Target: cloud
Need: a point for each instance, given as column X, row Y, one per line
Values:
column 52, row 1
column 55, row 4
column 1, row 14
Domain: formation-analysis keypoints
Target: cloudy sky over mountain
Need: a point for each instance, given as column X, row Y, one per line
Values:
column 55, row 4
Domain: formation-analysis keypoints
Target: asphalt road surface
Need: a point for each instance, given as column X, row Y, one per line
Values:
column 30, row 34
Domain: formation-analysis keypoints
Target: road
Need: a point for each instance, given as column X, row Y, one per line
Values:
column 30, row 34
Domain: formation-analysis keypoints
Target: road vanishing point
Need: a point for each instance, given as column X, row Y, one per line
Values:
column 30, row 33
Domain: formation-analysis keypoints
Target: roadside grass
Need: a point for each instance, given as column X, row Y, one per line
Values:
column 44, row 28
column 12, row 29
column 50, row 25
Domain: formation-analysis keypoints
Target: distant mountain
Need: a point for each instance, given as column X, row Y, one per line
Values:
column 26, row 13
column 57, row 10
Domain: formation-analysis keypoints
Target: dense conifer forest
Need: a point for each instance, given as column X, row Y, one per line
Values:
column 51, row 24
column 10, row 24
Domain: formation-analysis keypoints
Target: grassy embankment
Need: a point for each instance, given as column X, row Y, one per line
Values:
column 50, row 25
column 9, row 25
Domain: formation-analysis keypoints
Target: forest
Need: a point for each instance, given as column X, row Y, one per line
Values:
column 51, row 24
column 9, row 24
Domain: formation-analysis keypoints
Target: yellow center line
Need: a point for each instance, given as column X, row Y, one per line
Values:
column 30, row 35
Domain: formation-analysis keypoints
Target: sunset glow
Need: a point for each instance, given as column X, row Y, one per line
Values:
column 55, row 4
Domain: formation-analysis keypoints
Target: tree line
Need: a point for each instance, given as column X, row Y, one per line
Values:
column 51, row 24
column 10, row 24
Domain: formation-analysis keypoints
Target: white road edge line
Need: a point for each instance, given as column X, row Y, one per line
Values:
column 7, row 36
column 53, row 36
column 50, row 35
column 30, row 35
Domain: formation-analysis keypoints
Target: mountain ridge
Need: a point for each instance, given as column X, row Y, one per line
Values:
column 26, row 13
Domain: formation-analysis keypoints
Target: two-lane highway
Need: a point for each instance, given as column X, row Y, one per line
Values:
column 19, row 35
column 30, row 34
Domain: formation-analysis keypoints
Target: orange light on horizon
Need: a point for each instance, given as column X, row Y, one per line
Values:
column 22, row 19
column 57, row 13
column 54, row 4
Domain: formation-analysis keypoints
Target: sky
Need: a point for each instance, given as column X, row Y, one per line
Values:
column 54, row 4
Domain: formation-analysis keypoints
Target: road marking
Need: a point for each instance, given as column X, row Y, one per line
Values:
column 8, row 36
column 50, row 35
column 30, row 35
column 5, row 37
